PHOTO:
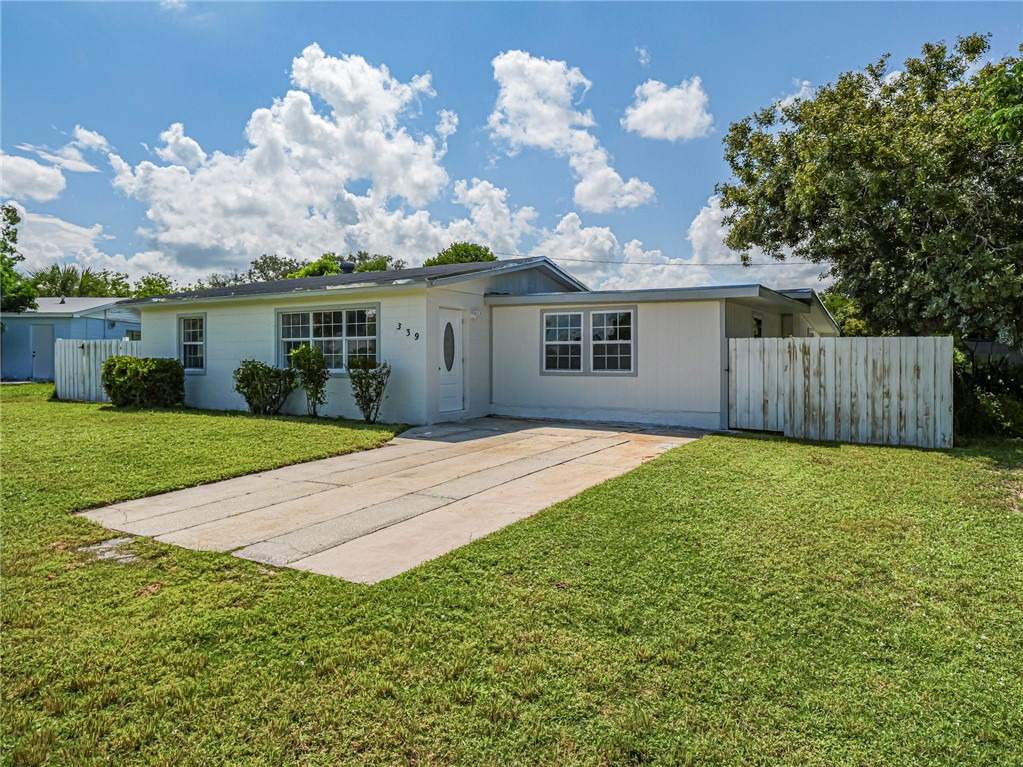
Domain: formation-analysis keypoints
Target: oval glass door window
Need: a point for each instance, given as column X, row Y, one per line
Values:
column 449, row 347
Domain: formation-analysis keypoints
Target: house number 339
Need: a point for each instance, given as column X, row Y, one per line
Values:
column 408, row 332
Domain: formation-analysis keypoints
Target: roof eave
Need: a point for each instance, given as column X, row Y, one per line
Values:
column 157, row 301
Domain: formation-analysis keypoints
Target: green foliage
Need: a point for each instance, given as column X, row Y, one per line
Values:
column 144, row 382
column 16, row 293
column 272, row 267
column 880, row 177
column 154, row 284
column 68, row 280
column 264, row 387
column 988, row 397
column 845, row 312
column 1001, row 107
column 461, row 253
column 364, row 262
column 326, row 264
column 311, row 367
column 368, row 384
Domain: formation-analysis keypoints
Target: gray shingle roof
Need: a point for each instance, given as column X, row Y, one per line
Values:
column 304, row 284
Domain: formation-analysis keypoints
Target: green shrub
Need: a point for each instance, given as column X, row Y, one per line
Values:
column 144, row 381
column 368, row 384
column 308, row 362
column 264, row 387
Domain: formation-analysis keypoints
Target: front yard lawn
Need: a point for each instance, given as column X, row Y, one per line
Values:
column 740, row 600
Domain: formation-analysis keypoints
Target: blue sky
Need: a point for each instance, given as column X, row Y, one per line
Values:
column 584, row 130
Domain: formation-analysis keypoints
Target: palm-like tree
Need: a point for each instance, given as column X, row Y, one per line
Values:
column 60, row 280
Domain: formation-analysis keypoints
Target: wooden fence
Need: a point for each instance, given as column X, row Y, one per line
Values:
column 880, row 391
column 78, row 366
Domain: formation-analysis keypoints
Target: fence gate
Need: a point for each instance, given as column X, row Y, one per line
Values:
column 78, row 366
column 879, row 391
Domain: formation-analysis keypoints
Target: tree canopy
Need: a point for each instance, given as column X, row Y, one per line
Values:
column 16, row 293
column 461, row 253
column 69, row 280
column 896, row 181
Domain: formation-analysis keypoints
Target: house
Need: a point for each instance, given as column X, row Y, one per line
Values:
column 27, row 339
column 519, row 337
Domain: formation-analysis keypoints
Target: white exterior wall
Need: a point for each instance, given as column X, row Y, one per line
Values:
column 238, row 329
column 680, row 358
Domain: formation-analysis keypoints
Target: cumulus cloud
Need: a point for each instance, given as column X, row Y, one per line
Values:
column 536, row 108
column 644, row 56
column 706, row 235
column 660, row 112
column 803, row 90
column 23, row 178
column 290, row 189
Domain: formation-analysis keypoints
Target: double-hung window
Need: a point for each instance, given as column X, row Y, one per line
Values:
column 192, row 332
column 612, row 341
column 342, row 335
column 563, row 342
column 589, row 341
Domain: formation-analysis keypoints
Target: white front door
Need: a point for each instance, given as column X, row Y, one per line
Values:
column 42, row 352
column 449, row 362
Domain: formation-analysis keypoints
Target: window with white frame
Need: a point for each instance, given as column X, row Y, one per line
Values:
column 192, row 331
column 342, row 335
column 133, row 335
column 611, row 333
column 563, row 342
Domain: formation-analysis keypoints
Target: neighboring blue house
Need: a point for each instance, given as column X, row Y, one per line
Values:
column 26, row 343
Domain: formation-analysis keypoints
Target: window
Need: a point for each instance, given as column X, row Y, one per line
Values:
column 758, row 327
column 193, row 343
column 612, row 341
column 133, row 335
column 341, row 335
column 563, row 342
column 591, row 341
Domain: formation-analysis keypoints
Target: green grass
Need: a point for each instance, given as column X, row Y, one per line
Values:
column 744, row 601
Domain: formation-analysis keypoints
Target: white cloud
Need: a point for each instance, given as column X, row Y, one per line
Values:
column 644, row 56
column 23, row 178
column 287, row 192
column 660, row 112
column 803, row 90
column 179, row 149
column 87, row 139
column 707, row 233
column 173, row 5
column 69, row 157
column 536, row 108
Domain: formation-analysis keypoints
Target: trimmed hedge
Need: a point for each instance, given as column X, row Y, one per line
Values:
column 144, row 381
column 264, row 387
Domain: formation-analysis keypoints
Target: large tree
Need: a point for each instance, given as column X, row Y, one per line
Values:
column 69, row 280
column 16, row 293
column 885, row 177
column 461, row 253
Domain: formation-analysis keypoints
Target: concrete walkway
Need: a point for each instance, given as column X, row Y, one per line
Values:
column 369, row 516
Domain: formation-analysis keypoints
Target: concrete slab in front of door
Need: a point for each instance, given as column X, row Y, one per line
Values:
column 369, row 516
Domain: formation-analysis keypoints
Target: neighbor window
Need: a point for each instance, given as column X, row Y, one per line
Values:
column 133, row 335
column 193, row 343
column 758, row 327
column 612, row 341
column 563, row 342
column 342, row 335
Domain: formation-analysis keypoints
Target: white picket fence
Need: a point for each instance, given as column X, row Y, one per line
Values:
column 880, row 391
column 78, row 366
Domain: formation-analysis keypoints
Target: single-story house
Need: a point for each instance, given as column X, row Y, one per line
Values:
column 519, row 337
column 27, row 339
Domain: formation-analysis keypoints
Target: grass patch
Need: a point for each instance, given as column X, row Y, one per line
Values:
column 736, row 601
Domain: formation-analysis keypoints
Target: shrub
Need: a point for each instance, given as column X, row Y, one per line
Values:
column 144, row 381
column 368, row 384
column 264, row 387
column 988, row 398
column 308, row 362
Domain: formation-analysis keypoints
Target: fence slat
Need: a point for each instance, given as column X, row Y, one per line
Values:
column 886, row 391
column 78, row 366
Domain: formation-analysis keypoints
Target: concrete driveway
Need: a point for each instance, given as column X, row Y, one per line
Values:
column 369, row 516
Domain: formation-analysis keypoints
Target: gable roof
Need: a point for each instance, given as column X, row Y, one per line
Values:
column 423, row 275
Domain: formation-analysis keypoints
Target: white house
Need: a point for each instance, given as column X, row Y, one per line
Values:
column 520, row 337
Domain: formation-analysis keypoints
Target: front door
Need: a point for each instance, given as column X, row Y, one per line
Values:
column 449, row 364
column 42, row 352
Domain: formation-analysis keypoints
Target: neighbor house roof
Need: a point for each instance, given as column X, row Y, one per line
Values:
column 423, row 275
column 106, row 307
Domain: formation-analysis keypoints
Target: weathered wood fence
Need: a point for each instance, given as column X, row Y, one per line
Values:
column 880, row 391
column 78, row 366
